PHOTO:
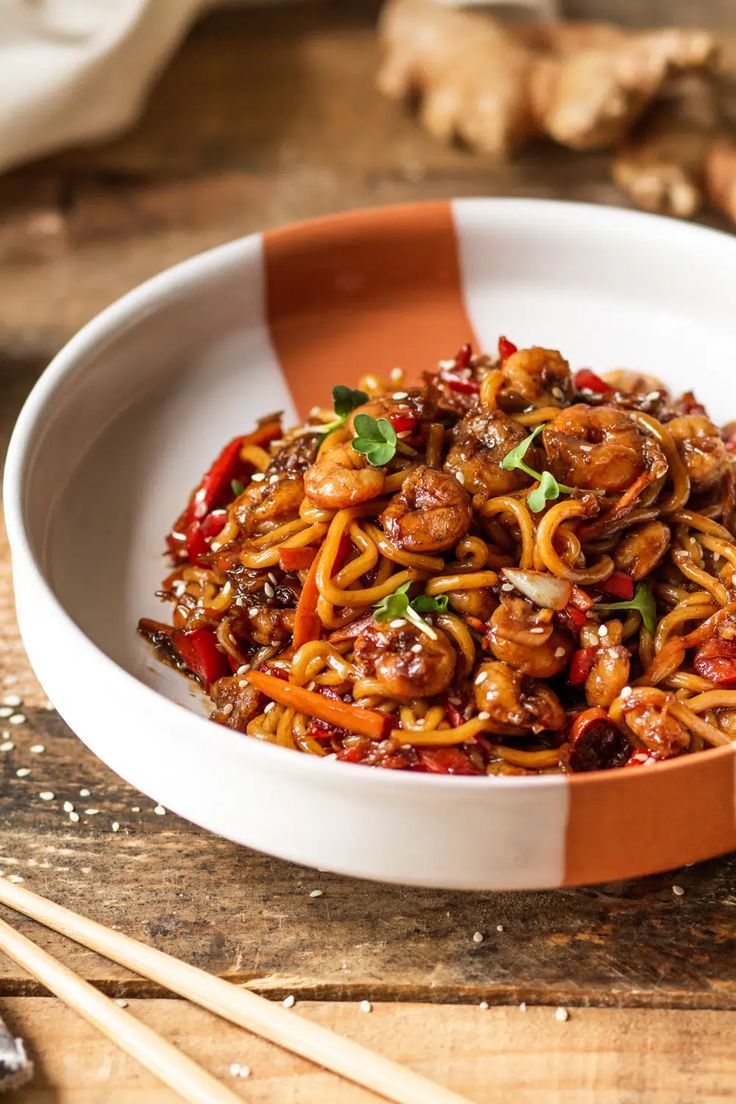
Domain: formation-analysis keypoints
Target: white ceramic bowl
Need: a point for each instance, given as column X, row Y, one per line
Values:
column 131, row 411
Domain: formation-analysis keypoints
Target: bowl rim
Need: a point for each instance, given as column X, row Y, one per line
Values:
column 147, row 297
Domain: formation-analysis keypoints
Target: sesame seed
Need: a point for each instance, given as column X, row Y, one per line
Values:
column 252, row 612
column 522, row 1007
column 273, row 578
column 7, row 745
column 17, row 719
column 482, row 676
column 483, row 1005
column 74, row 817
column 121, row 1002
column 23, row 772
column 460, row 478
column 115, row 826
column 626, row 692
column 316, row 893
column 397, row 623
column 562, row 1015
column 603, row 630
column 559, row 653
column 258, row 477
column 91, row 812
column 135, row 808
column 273, row 479
column 215, row 546
column 268, row 590
column 269, row 706
column 290, row 1001
column 558, row 393
column 13, row 700
column 416, row 648
column 37, row 749
column 84, row 793
column 478, row 937
column 366, row 1006
column 48, row 705
column 484, row 715
column 46, row 795
column 159, row 810
column 507, row 587
column 678, row 891
column 242, row 670
column 68, row 807
column 539, row 629
column 445, row 365
column 227, row 709
column 652, row 396
column 237, row 1070
column 499, row 927
column 6, row 711
column 400, row 395
column 15, row 878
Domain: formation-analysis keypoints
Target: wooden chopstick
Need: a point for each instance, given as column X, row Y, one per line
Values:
column 262, row 1017
column 159, row 1056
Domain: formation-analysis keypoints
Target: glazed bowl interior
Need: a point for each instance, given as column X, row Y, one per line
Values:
column 139, row 403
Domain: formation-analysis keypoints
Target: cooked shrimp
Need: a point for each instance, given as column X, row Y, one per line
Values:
column 431, row 512
column 641, row 549
column 405, row 661
column 608, row 675
column 536, row 377
column 701, row 448
column 516, row 703
column 600, row 448
column 528, row 639
column 267, row 504
column 479, row 602
column 342, row 477
column 480, row 442
column 415, row 405
column 647, row 713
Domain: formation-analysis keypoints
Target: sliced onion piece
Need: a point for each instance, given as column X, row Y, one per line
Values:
column 546, row 591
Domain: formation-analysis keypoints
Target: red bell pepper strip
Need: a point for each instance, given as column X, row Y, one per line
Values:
column 447, row 760
column 199, row 650
column 585, row 380
column 464, row 356
column 619, row 584
column 199, row 534
column 506, row 348
column 403, row 421
column 640, row 758
column 716, row 662
column 581, row 665
column 296, row 559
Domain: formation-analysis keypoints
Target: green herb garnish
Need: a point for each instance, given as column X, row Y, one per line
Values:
column 549, row 489
column 375, row 438
column 643, row 601
column 398, row 605
column 236, row 487
column 345, row 400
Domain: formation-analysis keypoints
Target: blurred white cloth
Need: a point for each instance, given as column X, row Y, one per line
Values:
column 76, row 70
column 73, row 71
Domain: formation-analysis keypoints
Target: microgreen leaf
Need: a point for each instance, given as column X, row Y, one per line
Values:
column 514, row 459
column 345, row 400
column 375, row 438
column 237, row 487
column 547, row 491
column 427, row 603
column 643, row 601
column 398, row 605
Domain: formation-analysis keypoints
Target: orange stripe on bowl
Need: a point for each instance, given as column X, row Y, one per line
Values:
column 640, row 820
column 364, row 292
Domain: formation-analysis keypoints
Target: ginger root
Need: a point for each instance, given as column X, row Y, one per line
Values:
column 496, row 86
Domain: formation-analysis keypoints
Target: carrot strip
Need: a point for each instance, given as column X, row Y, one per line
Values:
column 296, row 559
column 366, row 722
column 307, row 625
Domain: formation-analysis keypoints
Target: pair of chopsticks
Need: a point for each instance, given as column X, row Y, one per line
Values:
column 239, row 1006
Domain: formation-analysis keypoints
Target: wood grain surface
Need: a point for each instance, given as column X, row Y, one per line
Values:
column 259, row 121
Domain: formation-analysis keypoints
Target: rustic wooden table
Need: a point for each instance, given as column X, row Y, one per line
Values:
column 257, row 122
